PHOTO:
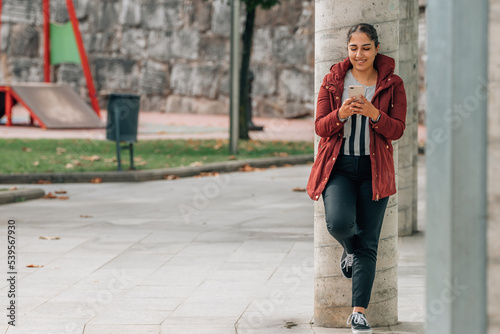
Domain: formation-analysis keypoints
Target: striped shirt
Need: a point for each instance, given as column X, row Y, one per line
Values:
column 356, row 128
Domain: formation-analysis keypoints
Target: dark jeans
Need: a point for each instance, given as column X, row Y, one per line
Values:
column 355, row 220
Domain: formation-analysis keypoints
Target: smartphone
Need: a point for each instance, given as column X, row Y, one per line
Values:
column 356, row 91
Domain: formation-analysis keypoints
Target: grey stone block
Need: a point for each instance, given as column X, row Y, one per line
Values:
column 296, row 85
column 134, row 43
column 181, row 104
column 130, row 14
column 262, row 43
column 24, row 41
column 71, row 74
column 159, row 45
column 4, row 36
column 21, row 11
column 105, row 17
column 164, row 16
column 103, row 42
column 265, row 80
column 288, row 48
column 154, row 78
column 295, row 110
column 213, row 48
column 185, row 44
column 114, row 74
column 203, row 15
column 26, row 69
column 221, row 24
column 200, row 80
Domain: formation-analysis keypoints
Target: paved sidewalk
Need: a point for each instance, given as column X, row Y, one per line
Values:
column 211, row 255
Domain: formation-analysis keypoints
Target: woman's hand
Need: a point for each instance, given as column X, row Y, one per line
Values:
column 345, row 110
column 364, row 107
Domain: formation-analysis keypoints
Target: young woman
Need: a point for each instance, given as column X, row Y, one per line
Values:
column 354, row 168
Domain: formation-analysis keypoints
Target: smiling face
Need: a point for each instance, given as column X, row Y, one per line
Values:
column 362, row 51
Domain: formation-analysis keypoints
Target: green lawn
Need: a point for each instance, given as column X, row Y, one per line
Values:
column 78, row 155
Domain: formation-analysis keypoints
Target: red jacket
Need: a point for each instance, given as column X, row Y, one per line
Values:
column 389, row 99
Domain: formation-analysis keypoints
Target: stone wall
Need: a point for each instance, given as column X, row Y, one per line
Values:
column 175, row 53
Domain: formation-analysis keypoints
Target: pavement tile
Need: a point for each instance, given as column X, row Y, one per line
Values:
column 127, row 303
column 179, row 275
column 228, row 308
column 112, row 317
column 121, row 329
column 36, row 327
column 278, row 327
column 198, row 328
column 168, row 291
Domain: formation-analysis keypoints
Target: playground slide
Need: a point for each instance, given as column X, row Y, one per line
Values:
column 57, row 106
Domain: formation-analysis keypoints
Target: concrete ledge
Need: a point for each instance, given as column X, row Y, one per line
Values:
column 154, row 174
column 20, row 195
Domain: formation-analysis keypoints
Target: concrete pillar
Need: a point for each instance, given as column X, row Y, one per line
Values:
column 494, row 171
column 456, row 166
column 408, row 144
column 332, row 295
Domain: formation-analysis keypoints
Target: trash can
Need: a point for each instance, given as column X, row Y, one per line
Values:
column 123, row 115
column 123, row 119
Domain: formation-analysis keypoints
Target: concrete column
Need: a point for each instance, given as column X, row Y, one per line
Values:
column 456, row 166
column 408, row 144
column 332, row 304
column 494, row 171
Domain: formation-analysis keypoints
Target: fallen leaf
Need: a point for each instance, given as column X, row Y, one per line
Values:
column 299, row 189
column 232, row 157
column 60, row 150
column 50, row 196
column 248, row 168
column 36, row 163
column 26, row 149
column 218, row 145
column 280, row 154
column 41, row 181
column 60, row 191
column 63, row 197
column 69, row 166
column 49, row 238
column 85, row 216
column 90, row 158
column 13, row 188
column 34, row 265
column 196, row 164
column 170, row 177
column 96, row 180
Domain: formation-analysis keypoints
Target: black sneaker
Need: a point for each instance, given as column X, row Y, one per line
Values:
column 346, row 264
column 359, row 324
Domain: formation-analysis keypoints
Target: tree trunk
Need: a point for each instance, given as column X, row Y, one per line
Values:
column 245, row 67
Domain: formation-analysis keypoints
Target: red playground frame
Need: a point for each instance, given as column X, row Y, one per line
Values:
column 10, row 95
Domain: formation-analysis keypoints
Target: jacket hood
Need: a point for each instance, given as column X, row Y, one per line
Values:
column 385, row 66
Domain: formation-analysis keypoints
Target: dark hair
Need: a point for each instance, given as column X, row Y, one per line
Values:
column 368, row 29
